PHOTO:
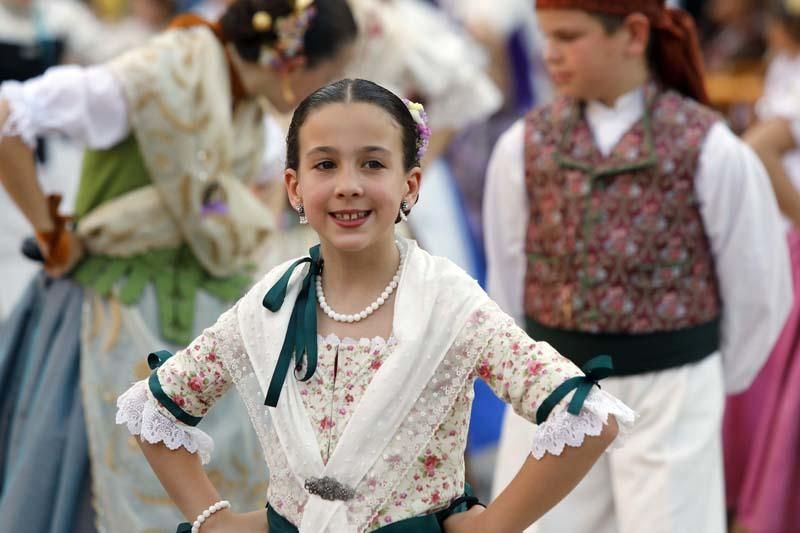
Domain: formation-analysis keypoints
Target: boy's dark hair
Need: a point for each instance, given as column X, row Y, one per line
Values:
column 354, row 90
column 332, row 28
column 612, row 23
column 787, row 17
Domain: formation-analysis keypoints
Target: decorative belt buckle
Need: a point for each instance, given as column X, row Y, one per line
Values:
column 329, row 489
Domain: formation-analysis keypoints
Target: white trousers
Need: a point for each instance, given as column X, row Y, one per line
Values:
column 667, row 475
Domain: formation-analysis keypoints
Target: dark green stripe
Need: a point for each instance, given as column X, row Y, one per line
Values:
column 634, row 354
column 596, row 369
column 301, row 334
column 154, row 361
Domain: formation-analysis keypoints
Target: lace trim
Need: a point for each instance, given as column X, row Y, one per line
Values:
column 20, row 121
column 564, row 429
column 140, row 412
column 375, row 342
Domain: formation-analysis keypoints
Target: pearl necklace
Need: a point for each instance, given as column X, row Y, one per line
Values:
column 371, row 308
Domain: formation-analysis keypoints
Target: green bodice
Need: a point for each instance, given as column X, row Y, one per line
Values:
column 175, row 272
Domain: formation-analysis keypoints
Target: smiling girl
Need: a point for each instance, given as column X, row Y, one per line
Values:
column 384, row 341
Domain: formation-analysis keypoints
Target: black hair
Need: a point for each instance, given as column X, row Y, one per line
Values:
column 354, row 90
column 786, row 16
column 332, row 28
column 612, row 24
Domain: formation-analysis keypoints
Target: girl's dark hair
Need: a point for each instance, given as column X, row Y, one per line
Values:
column 779, row 11
column 332, row 28
column 346, row 91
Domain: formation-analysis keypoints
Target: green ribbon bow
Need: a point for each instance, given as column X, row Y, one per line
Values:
column 597, row 368
column 301, row 335
column 154, row 361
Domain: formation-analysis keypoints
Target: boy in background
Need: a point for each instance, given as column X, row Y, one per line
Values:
column 626, row 219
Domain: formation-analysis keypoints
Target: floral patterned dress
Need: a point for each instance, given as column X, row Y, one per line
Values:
column 519, row 370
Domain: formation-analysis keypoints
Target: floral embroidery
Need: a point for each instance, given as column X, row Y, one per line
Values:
column 484, row 371
column 196, row 384
column 429, row 462
column 534, row 368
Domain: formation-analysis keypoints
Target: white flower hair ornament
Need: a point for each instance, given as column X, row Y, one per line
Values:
column 420, row 117
column 290, row 29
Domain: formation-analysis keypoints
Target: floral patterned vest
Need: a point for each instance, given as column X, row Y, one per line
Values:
column 616, row 244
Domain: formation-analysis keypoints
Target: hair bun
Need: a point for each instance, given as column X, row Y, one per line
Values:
column 288, row 28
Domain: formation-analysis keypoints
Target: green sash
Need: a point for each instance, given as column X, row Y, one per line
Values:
column 429, row 523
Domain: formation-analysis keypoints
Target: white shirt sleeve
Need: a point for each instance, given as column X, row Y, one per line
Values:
column 85, row 104
column 748, row 240
column 505, row 220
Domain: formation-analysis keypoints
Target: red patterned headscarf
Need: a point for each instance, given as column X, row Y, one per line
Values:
column 678, row 61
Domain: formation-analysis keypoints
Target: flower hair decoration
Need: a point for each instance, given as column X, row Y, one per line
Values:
column 290, row 31
column 423, row 131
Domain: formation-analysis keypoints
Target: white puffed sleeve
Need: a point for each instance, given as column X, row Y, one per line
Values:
column 85, row 104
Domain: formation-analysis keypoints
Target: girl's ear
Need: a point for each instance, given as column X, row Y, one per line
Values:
column 413, row 180
column 293, row 189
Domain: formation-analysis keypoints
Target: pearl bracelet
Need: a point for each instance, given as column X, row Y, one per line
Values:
column 202, row 517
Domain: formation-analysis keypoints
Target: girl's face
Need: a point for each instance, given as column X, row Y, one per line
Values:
column 351, row 178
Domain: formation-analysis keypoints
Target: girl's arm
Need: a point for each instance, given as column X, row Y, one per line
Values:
column 60, row 247
column 525, row 374
column 18, row 174
column 187, row 386
column 771, row 140
column 85, row 104
column 539, row 485
column 184, row 479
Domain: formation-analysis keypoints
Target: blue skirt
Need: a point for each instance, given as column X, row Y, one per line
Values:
column 44, row 457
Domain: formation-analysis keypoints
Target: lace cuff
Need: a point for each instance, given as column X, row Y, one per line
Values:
column 19, row 122
column 141, row 413
column 564, row 429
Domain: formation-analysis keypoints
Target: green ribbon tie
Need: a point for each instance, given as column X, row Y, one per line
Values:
column 597, row 368
column 301, row 335
column 154, row 361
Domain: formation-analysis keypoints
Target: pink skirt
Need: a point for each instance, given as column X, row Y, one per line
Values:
column 761, row 433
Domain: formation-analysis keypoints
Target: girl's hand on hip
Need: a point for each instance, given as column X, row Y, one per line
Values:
column 467, row 522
